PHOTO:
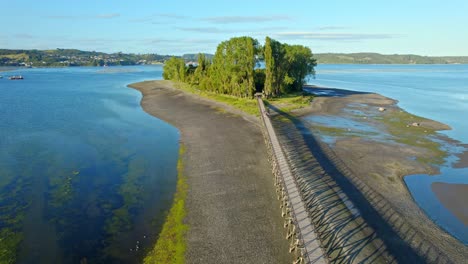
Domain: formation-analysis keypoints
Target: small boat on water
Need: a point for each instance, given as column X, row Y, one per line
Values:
column 16, row 77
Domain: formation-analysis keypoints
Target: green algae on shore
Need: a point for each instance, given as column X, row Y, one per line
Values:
column 171, row 245
column 389, row 126
column 406, row 129
column 14, row 202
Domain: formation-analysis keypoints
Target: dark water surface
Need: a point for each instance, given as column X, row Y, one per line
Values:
column 438, row 92
column 85, row 173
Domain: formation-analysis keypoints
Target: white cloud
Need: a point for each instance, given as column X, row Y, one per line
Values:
column 98, row 16
column 331, row 28
column 333, row 36
column 245, row 19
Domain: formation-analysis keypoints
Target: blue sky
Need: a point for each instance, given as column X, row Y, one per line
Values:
column 176, row 27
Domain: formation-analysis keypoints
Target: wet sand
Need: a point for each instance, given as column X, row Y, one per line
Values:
column 232, row 210
column 382, row 159
column 454, row 197
column 463, row 159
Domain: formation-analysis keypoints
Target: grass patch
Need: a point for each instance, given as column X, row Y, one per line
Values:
column 290, row 102
column 20, row 56
column 171, row 244
column 246, row 105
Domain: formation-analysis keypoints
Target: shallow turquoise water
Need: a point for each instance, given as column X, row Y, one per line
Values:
column 438, row 92
column 84, row 171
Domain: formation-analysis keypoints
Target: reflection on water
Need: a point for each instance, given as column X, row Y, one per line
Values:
column 84, row 172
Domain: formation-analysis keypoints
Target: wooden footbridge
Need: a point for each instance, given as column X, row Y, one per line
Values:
column 330, row 215
column 300, row 228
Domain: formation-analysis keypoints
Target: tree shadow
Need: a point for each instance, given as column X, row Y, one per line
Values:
column 329, row 92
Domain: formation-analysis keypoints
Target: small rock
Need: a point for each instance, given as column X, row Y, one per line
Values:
column 381, row 109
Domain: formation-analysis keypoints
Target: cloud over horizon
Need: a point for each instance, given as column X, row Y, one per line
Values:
column 98, row 16
column 245, row 19
column 333, row 36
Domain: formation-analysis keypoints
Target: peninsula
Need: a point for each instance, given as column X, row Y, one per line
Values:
column 398, row 228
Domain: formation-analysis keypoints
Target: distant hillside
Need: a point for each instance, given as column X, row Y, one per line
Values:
column 73, row 57
column 194, row 57
column 376, row 58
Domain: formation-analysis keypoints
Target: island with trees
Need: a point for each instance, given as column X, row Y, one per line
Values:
column 235, row 69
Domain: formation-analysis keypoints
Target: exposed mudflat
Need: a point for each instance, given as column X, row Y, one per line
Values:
column 232, row 210
column 381, row 143
column 454, row 198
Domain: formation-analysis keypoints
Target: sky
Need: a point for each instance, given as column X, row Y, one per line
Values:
column 432, row 28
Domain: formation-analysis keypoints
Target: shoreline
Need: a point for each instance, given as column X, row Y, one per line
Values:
column 372, row 145
column 214, row 136
column 329, row 102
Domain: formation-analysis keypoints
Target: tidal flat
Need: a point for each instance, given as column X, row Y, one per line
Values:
column 384, row 146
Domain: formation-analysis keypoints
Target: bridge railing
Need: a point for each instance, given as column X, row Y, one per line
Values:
column 300, row 228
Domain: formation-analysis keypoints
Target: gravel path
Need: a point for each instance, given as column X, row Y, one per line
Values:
column 232, row 211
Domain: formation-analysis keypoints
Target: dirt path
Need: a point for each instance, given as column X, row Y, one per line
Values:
column 233, row 214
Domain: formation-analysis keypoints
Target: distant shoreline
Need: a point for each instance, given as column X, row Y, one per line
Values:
column 79, row 58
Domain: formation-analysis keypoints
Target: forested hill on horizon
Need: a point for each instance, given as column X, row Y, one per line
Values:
column 74, row 57
column 376, row 58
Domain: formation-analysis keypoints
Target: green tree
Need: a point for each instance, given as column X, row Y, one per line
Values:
column 286, row 67
column 275, row 69
column 232, row 71
column 202, row 69
column 300, row 63
column 174, row 69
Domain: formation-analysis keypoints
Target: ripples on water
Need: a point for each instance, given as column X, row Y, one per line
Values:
column 84, row 171
column 438, row 92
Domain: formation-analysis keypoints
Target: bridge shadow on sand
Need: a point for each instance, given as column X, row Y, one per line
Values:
column 354, row 223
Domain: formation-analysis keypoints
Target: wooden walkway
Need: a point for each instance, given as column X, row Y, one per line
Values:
column 304, row 229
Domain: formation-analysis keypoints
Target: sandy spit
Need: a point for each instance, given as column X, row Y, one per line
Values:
column 232, row 211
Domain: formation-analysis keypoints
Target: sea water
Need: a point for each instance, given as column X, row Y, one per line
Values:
column 438, row 92
column 85, row 173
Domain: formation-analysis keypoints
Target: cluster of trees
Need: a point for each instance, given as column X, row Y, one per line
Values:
column 234, row 68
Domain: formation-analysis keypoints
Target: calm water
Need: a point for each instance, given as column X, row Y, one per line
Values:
column 438, row 92
column 84, row 171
